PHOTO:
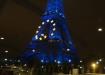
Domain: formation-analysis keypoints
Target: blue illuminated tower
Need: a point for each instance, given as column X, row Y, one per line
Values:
column 52, row 42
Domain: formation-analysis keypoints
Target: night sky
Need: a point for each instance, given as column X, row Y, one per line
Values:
column 20, row 18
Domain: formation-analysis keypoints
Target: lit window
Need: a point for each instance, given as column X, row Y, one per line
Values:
column 5, row 59
column 45, row 36
column 80, row 67
column 81, row 61
column 40, row 38
column 18, row 61
column 39, row 27
column 58, row 62
column 42, row 66
column 33, row 50
column 60, row 13
column 37, row 31
column 68, row 49
column 55, row 60
column 54, row 29
column 52, row 34
column 36, row 36
column 56, row 10
column 42, row 34
column 52, row 21
column 48, row 20
column 42, row 60
column 54, row 24
column 25, row 64
column 69, row 60
column 43, row 23
column 100, row 60
column 97, row 62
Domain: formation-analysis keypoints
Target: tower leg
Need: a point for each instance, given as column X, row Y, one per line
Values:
column 75, row 72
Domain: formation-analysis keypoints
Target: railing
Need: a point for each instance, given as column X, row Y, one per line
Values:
column 80, row 74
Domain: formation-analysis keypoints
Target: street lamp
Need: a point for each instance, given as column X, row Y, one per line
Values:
column 94, row 67
column 6, row 51
column 100, row 29
column 97, row 62
column 100, row 60
column 2, row 38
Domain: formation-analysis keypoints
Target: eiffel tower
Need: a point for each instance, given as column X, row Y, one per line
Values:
column 52, row 42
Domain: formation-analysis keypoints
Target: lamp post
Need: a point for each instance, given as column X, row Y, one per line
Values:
column 94, row 67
